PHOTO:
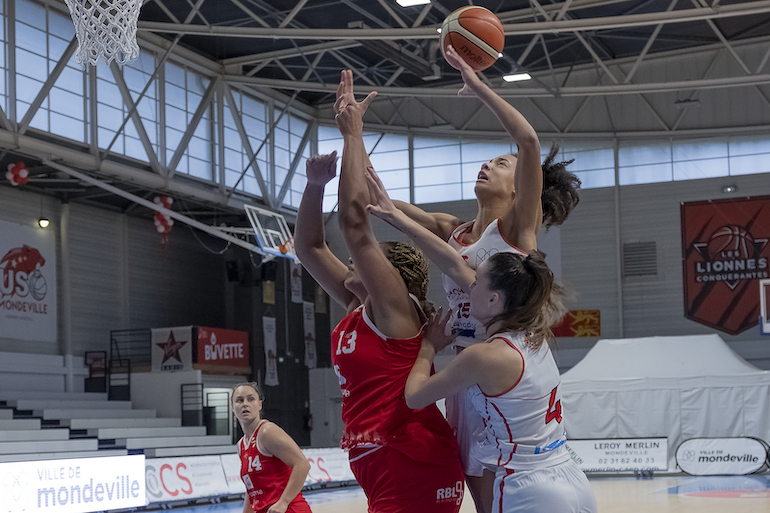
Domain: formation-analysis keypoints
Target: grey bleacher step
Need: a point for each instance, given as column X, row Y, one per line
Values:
column 52, row 446
column 147, row 432
column 6, row 413
column 185, row 441
column 58, row 414
column 19, row 424
column 166, row 452
column 32, row 435
column 47, row 404
column 48, row 396
column 36, row 456
column 117, row 423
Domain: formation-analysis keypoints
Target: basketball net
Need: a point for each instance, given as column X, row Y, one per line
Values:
column 105, row 29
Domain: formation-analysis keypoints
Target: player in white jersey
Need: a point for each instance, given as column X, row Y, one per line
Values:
column 517, row 195
column 512, row 379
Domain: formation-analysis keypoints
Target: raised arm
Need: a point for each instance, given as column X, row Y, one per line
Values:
column 388, row 301
column 278, row 443
column 439, row 252
column 309, row 240
column 522, row 221
column 439, row 223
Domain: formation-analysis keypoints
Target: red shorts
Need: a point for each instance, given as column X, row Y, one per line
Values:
column 298, row 505
column 396, row 483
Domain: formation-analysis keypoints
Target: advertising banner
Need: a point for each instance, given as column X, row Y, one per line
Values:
column 271, row 351
column 73, row 485
column 725, row 253
column 172, row 349
column 222, row 351
column 192, row 477
column 27, row 283
column 296, row 282
column 621, row 454
column 579, row 323
column 721, row 456
column 308, row 319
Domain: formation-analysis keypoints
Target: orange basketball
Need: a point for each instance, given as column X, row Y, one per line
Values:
column 476, row 34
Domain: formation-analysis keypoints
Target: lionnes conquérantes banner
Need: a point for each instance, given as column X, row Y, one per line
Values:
column 27, row 283
column 725, row 252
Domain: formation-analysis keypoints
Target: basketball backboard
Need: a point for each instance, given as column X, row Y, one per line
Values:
column 272, row 232
column 764, row 307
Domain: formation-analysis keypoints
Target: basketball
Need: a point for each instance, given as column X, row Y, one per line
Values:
column 37, row 285
column 476, row 34
column 731, row 242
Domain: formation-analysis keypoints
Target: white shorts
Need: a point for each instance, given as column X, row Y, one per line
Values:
column 469, row 429
column 562, row 488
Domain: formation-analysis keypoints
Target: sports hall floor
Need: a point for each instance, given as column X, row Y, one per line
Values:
column 666, row 494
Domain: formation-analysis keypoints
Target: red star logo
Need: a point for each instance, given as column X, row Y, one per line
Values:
column 171, row 348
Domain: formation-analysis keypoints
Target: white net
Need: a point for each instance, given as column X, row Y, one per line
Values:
column 105, row 29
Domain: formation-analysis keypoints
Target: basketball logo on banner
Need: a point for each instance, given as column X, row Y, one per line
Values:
column 725, row 253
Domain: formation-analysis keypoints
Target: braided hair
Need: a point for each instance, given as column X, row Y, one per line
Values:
column 533, row 301
column 560, row 189
column 412, row 265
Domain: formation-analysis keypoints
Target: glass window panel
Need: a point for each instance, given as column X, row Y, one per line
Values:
column 749, row 164
column 175, row 96
column 699, row 149
column 435, row 193
column 203, row 130
column 430, row 142
column 282, row 158
column 589, row 160
column 694, row 169
column 435, row 156
column 109, row 117
column 394, row 179
column 26, row 90
column 596, row 178
column 105, row 136
column 66, row 126
column 630, row 175
column 390, row 160
column 193, row 100
column 280, row 177
column 56, row 49
column 231, row 177
column 281, row 138
column 67, row 103
column 637, row 153
column 29, row 38
column 298, row 126
column 173, row 138
column 749, row 145
column 330, row 203
column 399, row 194
column 200, row 168
column 130, row 130
column 135, row 149
column 470, row 171
column 254, row 127
column 108, row 93
column 60, row 26
column 391, row 142
column 175, row 74
column 196, row 84
column 484, row 151
column 327, row 146
column 183, row 166
column 233, row 160
column 176, row 118
column 71, row 79
column 250, row 185
column 31, row 65
column 469, row 190
column 328, row 133
column 135, row 80
column 436, row 175
column 200, row 149
column 39, row 120
column 29, row 12
column 232, row 139
column 147, row 109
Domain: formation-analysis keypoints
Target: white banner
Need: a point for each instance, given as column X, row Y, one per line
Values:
column 172, row 349
column 326, row 466
column 271, row 355
column 73, row 485
column 296, row 282
column 622, row 454
column 27, row 283
column 308, row 316
column 192, row 477
column 721, row 456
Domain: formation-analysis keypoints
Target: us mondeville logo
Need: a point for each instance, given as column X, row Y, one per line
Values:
column 21, row 277
column 730, row 255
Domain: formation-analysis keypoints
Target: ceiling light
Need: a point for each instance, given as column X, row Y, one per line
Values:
column 517, row 77
column 410, row 3
column 729, row 188
column 43, row 222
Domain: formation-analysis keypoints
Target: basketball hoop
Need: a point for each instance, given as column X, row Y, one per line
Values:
column 105, row 29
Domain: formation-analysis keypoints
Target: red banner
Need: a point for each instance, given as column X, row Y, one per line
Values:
column 222, row 351
column 579, row 323
column 725, row 253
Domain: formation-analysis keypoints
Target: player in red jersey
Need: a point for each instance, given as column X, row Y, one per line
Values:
column 273, row 467
column 407, row 461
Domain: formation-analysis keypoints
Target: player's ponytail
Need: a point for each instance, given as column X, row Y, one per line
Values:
column 560, row 189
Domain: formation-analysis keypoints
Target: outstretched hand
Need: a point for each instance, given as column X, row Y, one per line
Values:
column 471, row 79
column 321, row 168
column 435, row 334
column 348, row 113
column 381, row 205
